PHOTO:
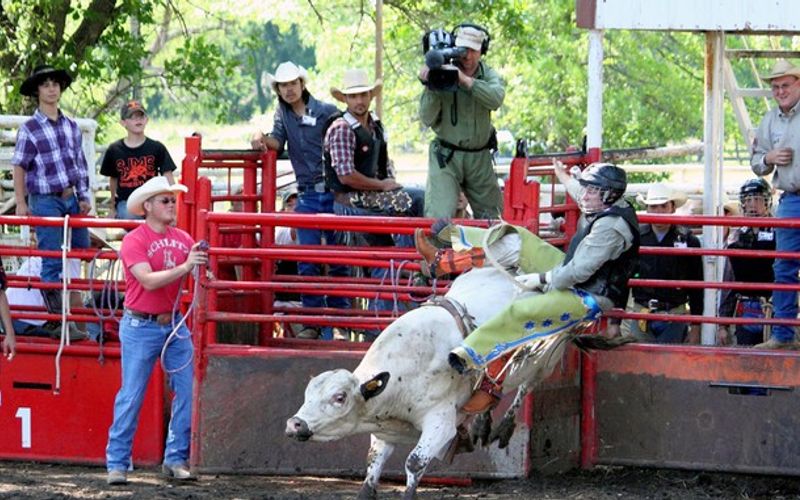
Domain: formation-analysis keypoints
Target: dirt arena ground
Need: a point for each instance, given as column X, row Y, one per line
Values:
column 39, row 482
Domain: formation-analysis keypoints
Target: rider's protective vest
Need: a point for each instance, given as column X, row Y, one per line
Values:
column 751, row 270
column 370, row 158
column 611, row 280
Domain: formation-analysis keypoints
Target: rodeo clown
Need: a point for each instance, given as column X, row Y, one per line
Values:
column 755, row 197
column 574, row 287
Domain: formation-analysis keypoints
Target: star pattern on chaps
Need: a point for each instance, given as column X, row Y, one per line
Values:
column 530, row 325
column 566, row 317
column 547, row 322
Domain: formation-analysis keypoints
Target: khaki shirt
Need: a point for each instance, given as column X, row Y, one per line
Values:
column 473, row 110
column 779, row 130
column 608, row 239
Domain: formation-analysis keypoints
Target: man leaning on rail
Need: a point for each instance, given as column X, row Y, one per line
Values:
column 776, row 150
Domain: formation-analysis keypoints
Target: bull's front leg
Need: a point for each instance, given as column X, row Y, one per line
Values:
column 438, row 429
column 379, row 453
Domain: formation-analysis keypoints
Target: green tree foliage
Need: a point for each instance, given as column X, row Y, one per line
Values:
column 95, row 42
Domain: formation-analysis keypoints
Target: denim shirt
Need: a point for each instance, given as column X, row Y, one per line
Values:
column 304, row 137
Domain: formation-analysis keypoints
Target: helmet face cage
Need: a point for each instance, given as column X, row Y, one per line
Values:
column 755, row 198
column 593, row 199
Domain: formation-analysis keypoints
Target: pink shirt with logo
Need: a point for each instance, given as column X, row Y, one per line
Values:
column 161, row 251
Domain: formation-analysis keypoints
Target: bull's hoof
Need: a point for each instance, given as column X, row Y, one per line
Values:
column 367, row 492
column 503, row 431
column 480, row 428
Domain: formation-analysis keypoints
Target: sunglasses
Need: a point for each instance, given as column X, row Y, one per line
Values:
column 166, row 201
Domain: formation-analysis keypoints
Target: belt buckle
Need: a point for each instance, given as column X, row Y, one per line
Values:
column 320, row 187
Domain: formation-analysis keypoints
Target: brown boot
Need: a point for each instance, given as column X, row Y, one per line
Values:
column 446, row 260
column 485, row 398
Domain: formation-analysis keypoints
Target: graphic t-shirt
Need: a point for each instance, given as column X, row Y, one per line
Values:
column 135, row 166
column 161, row 251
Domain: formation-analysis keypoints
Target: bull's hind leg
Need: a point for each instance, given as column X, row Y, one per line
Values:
column 379, row 453
column 503, row 431
column 438, row 428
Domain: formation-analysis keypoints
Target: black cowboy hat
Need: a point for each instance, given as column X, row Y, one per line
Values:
column 41, row 73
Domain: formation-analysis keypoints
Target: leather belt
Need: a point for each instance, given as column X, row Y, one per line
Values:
column 65, row 194
column 161, row 319
column 319, row 187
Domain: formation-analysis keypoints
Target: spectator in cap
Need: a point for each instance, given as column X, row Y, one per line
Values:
column 662, row 199
column 460, row 157
column 51, row 177
column 776, row 151
column 299, row 123
column 133, row 160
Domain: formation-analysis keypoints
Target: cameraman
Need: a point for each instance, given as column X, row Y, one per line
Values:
column 460, row 158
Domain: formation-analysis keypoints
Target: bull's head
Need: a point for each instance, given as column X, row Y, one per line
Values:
column 333, row 404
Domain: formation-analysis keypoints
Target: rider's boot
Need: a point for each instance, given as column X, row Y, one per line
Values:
column 490, row 390
column 440, row 261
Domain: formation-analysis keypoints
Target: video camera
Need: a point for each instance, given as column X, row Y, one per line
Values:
column 439, row 48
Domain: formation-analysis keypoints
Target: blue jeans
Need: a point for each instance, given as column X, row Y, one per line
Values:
column 668, row 332
column 51, row 238
column 786, row 240
column 122, row 211
column 141, row 343
column 400, row 240
column 312, row 202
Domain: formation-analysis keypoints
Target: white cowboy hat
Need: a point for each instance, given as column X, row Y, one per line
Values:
column 659, row 193
column 154, row 186
column 782, row 68
column 287, row 72
column 355, row 82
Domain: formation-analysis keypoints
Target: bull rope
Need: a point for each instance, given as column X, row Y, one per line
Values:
column 66, row 245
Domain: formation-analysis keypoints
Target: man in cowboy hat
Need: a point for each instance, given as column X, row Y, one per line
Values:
column 663, row 200
column 460, row 158
column 777, row 149
column 131, row 161
column 299, row 122
column 51, row 177
column 156, row 257
column 357, row 165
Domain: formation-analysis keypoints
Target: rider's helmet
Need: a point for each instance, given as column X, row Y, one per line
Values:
column 603, row 184
column 755, row 196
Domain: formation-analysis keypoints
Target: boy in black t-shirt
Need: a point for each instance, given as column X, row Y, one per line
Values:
column 132, row 161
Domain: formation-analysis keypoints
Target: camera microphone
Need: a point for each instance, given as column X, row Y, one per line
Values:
column 434, row 59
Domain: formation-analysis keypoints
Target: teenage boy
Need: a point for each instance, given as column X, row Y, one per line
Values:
column 132, row 161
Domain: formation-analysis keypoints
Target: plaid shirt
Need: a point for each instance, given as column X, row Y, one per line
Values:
column 340, row 141
column 50, row 153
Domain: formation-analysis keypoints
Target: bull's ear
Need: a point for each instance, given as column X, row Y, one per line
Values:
column 375, row 385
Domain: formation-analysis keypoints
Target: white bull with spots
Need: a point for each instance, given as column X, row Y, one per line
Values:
column 405, row 392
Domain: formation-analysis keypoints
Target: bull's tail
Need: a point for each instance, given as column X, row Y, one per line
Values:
column 588, row 342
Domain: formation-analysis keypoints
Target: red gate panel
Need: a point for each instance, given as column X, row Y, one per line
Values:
column 72, row 425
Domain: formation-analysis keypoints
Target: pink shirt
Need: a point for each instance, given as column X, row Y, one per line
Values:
column 161, row 251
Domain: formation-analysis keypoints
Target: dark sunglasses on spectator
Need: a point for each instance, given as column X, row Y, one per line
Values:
column 165, row 201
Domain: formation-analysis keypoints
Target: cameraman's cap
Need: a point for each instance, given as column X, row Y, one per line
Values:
column 472, row 38
column 356, row 81
column 287, row 72
column 130, row 108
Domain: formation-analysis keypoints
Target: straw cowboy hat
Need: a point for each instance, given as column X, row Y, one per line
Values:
column 154, row 186
column 730, row 206
column 659, row 193
column 287, row 72
column 41, row 73
column 355, row 82
column 782, row 68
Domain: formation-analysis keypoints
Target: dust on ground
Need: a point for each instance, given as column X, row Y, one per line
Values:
column 45, row 481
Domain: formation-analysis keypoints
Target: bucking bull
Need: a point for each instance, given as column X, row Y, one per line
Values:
column 405, row 392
